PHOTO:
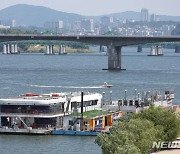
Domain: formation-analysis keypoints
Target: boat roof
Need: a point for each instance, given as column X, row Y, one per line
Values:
column 49, row 99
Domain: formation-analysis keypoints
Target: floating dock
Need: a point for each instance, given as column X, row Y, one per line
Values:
column 6, row 130
column 75, row 133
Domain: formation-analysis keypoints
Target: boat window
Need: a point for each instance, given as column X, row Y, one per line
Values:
column 74, row 104
column 131, row 102
column 100, row 121
column 88, row 103
column 94, row 102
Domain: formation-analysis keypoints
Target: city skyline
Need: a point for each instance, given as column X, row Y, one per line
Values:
column 113, row 6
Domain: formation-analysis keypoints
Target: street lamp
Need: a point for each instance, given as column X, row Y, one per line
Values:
column 103, row 98
column 135, row 90
column 125, row 94
column 149, row 93
column 110, row 97
column 138, row 96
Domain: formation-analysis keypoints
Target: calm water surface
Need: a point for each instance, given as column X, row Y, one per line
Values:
column 143, row 73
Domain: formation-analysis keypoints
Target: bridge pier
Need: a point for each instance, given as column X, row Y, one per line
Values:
column 114, row 58
column 62, row 50
column 10, row 49
column 177, row 49
column 4, row 49
column 49, row 50
column 101, row 48
column 139, row 49
column 16, row 49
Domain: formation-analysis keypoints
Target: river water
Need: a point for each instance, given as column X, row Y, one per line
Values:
column 144, row 73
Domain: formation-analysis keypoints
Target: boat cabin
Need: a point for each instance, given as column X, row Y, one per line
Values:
column 44, row 111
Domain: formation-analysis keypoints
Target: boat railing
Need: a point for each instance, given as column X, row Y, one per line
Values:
column 6, row 125
column 31, row 112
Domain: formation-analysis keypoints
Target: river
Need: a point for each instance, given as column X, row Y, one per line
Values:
column 144, row 73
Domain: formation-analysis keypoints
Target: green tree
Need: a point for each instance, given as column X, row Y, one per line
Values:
column 166, row 121
column 117, row 142
column 133, row 136
column 136, row 133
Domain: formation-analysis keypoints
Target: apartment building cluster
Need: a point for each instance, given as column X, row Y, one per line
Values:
column 147, row 25
column 143, row 27
column 7, row 24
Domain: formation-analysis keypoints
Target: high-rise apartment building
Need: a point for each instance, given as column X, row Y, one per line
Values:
column 76, row 26
column 54, row 25
column 13, row 24
column 60, row 24
column 106, row 20
column 145, row 15
column 153, row 18
column 87, row 25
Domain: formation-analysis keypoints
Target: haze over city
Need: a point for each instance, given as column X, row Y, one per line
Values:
column 101, row 7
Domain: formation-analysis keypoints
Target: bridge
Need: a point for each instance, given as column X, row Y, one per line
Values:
column 114, row 43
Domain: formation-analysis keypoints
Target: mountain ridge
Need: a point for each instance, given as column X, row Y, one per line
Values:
column 27, row 14
column 31, row 15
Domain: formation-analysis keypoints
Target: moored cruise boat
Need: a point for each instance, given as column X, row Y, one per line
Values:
column 71, row 113
column 41, row 113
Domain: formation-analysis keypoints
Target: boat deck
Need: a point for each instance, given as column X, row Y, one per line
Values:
column 29, row 131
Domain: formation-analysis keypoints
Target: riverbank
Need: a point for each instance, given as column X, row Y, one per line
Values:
column 41, row 49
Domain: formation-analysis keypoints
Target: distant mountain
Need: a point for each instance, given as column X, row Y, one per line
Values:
column 169, row 18
column 29, row 15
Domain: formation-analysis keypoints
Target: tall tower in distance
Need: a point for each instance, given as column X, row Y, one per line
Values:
column 144, row 15
column 13, row 23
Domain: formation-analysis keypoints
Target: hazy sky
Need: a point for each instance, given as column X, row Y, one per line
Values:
column 100, row 7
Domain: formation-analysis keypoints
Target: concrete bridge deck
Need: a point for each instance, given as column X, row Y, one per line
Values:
column 114, row 43
column 99, row 40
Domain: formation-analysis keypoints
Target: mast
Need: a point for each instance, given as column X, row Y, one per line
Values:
column 82, row 93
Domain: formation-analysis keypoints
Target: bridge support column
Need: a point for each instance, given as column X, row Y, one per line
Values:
column 47, row 50
column 16, row 49
column 12, row 49
column 8, row 49
column 50, row 49
column 4, row 49
column 62, row 50
column 101, row 48
column 177, row 49
column 114, row 58
column 139, row 49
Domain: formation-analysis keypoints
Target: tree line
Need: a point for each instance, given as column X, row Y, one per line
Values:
column 137, row 132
